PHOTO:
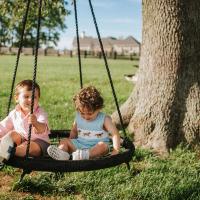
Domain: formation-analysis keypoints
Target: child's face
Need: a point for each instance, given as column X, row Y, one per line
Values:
column 87, row 114
column 24, row 99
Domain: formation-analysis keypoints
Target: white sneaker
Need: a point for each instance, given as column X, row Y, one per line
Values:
column 81, row 154
column 57, row 153
column 6, row 147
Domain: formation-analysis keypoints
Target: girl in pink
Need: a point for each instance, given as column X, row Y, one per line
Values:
column 15, row 127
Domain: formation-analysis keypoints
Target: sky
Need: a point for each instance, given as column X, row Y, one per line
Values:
column 116, row 18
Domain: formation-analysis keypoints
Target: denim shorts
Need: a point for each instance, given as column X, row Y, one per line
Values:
column 81, row 143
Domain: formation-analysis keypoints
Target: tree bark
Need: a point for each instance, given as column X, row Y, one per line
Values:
column 166, row 110
column 126, row 110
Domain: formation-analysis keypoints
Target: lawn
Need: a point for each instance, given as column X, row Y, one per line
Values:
column 58, row 78
column 151, row 177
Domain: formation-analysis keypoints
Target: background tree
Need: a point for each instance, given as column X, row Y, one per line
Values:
column 5, row 18
column 4, row 23
column 53, row 21
column 164, row 108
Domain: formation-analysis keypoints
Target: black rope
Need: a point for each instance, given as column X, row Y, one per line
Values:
column 24, row 20
column 78, row 44
column 107, row 68
column 34, row 72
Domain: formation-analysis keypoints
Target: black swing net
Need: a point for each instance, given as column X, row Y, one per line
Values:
column 28, row 163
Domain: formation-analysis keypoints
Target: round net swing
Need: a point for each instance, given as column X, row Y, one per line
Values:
column 29, row 163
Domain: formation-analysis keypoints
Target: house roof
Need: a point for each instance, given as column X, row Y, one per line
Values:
column 108, row 42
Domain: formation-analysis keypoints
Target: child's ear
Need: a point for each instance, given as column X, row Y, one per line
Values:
column 16, row 99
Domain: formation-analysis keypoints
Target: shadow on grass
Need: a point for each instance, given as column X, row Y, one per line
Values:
column 44, row 185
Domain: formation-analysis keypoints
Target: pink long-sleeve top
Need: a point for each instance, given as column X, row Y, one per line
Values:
column 17, row 121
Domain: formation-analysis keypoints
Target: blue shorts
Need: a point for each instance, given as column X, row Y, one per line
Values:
column 81, row 143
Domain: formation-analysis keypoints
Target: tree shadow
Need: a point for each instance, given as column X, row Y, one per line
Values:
column 44, row 185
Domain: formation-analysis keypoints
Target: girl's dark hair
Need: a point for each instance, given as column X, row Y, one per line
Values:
column 90, row 98
column 28, row 85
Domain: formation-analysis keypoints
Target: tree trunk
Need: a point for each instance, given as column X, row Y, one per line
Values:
column 167, row 107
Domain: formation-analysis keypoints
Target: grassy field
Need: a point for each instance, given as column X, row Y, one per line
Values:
column 175, row 177
column 59, row 81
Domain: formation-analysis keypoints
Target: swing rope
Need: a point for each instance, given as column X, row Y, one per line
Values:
column 24, row 20
column 107, row 68
column 78, row 44
column 29, row 164
column 34, row 72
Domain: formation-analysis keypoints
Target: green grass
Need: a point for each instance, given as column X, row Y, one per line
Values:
column 59, row 81
column 151, row 177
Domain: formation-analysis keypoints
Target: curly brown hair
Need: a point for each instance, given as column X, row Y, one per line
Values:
column 90, row 98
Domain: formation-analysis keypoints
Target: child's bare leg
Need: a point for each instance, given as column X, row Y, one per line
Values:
column 98, row 150
column 67, row 145
column 20, row 151
column 16, row 137
column 34, row 149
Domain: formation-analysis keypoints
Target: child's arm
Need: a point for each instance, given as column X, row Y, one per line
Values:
column 111, row 128
column 73, row 132
column 38, row 126
column 6, row 125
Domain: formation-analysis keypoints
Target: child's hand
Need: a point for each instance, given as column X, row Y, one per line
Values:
column 32, row 119
column 114, row 152
column 38, row 127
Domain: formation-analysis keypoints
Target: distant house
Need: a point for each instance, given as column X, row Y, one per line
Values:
column 125, row 46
